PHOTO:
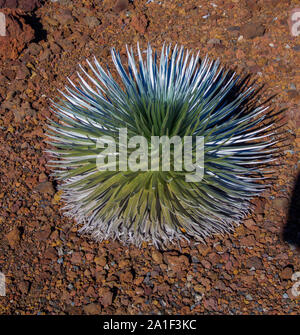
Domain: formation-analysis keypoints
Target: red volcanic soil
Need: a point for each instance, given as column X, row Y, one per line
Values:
column 49, row 268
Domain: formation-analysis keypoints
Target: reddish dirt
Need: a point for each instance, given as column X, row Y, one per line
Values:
column 17, row 36
column 49, row 268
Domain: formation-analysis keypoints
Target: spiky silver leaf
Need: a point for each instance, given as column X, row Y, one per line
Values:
column 170, row 94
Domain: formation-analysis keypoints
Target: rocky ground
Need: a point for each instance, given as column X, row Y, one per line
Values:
column 49, row 268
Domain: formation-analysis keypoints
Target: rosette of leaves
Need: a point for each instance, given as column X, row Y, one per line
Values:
column 171, row 93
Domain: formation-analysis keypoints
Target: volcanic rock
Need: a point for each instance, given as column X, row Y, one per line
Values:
column 25, row 5
column 17, row 34
column 252, row 29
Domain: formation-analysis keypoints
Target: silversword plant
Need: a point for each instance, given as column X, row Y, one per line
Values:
column 171, row 94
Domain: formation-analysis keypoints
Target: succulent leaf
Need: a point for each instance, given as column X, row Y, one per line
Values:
column 171, row 94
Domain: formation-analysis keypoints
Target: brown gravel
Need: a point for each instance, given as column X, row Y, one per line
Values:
column 18, row 35
column 50, row 269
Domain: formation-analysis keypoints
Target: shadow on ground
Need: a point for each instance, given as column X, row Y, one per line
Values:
column 34, row 22
column 291, row 231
